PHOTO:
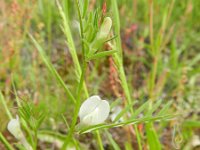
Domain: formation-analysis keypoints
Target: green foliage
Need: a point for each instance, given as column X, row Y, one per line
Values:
column 154, row 43
column 32, row 115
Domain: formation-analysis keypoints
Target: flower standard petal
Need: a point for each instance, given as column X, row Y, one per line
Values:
column 89, row 106
column 95, row 113
column 101, row 112
column 15, row 129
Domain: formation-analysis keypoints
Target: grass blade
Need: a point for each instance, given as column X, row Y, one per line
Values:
column 5, row 106
column 152, row 137
column 128, row 122
column 154, row 107
column 125, row 110
column 165, row 108
column 110, row 138
column 191, row 124
column 140, row 109
column 51, row 68
column 71, row 45
column 5, row 142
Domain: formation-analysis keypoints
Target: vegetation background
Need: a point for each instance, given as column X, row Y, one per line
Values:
column 160, row 42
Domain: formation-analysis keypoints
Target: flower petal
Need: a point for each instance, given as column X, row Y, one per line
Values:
column 14, row 128
column 99, row 115
column 89, row 106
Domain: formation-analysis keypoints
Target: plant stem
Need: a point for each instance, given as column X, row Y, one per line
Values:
column 153, row 78
column 155, row 45
column 99, row 141
column 78, row 102
column 138, row 137
column 119, row 63
column 128, row 96
column 84, row 61
column 49, row 26
column 5, row 142
column 151, row 20
column 36, row 139
column 80, row 85
column 71, row 45
column 81, row 26
column 154, row 51
column 2, row 99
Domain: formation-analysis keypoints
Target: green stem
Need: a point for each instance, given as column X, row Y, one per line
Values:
column 5, row 142
column 154, row 44
column 124, row 84
column 49, row 26
column 2, row 99
column 100, row 143
column 81, row 27
column 128, row 97
column 138, row 137
column 78, row 102
column 119, row 61
column 84, row 60
column 36, row 139
column 153, row 78
column 80, row 85
column 29, row 132
column 71, row 45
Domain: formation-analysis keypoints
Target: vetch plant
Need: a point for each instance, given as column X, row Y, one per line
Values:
column 94, row 111
column 15, row 129
column 144, row 90
column 94, row 33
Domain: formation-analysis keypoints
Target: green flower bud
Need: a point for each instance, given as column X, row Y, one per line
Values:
column 105, row 28
column 102, row 34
